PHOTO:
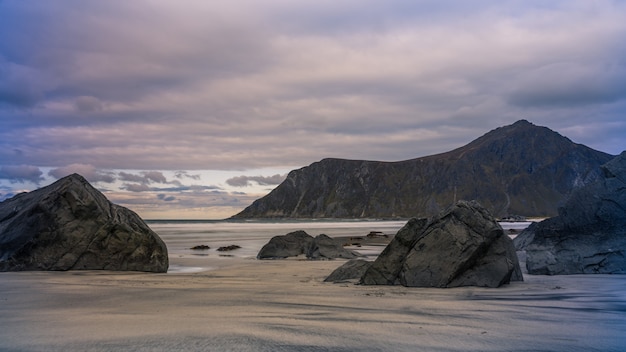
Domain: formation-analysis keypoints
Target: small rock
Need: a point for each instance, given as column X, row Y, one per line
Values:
column 232, row 247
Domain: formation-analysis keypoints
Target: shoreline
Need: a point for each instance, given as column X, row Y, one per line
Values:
column 269, row 305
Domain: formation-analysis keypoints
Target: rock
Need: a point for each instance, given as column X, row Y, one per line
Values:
column 290, row 245
column 324, row 247
column 351, row 270
column 386, row 268
column 525, row 237
column 70, row 225
column 299, row 242
column 463, row 246
column 375, row 234
column 200, row 247
column 589, row 234
column 232, row 247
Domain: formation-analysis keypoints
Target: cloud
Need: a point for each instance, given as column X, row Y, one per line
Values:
column 154, row 176
column 136, row 187
column 243, row 181
column 570, row 84
column 87, row 104
column 20, row 85
column 89, row 172
column 165, row 197
column 144, row 177
column 21, row 173
column 144, row 187
column 184, row 174
column 244, row 85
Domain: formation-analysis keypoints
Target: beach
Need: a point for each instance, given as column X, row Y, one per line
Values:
column 237, row 303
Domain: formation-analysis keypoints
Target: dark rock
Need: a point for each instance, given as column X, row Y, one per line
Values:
column 290, row 245
column 589, row 234
column 70, row 225
column 386, row 268
column 374, row 234
column 351, row 270
column 513, row 218
column 299, row 242
column 463, row 246
column 324, row 247
column 525, row 237
column 232, row 247
column 517, row 169
column 200, row 247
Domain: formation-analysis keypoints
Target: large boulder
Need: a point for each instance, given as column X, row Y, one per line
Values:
column 299, row 242
column 70, row 225
column 589, row 234
column 463, row 246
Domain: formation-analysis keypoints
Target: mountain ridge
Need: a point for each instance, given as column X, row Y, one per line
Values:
column 520, row 169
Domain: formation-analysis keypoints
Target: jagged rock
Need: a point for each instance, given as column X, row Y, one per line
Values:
column 589, row 234
column 463, row 246
column 292, row 244
column 324, row 247
column 525, row 237
column 70, row 225
column 386, row 268
column 517, row 169
column 350, row 270
column 299, row 242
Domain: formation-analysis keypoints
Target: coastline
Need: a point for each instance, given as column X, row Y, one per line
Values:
column 284, row 305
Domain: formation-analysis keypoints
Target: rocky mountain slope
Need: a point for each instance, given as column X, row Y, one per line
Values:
column 519, row 169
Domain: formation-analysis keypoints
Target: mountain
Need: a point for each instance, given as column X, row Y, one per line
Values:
column 520, row 169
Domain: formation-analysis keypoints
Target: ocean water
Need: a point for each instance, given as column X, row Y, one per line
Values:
column 181, row 235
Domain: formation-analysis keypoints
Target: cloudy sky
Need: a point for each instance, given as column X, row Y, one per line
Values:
column 193, row 109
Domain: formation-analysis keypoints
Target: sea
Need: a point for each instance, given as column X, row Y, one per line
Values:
column 250, row 235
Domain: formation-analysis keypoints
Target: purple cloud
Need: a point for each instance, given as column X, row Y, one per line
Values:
column 135, row 187
column 184, row 174
column 243, row 181
column 89, row 172
column 145, row 177
column 165, row 197
column 21, row 173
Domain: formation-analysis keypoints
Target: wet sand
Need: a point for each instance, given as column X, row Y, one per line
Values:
column 250, row 305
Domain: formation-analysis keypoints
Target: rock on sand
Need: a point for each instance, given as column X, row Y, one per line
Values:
column 70, row 225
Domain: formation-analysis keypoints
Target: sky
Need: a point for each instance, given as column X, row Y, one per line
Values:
column 193, row 109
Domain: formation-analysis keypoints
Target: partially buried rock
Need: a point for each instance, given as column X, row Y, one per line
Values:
column 232, row 247
column 70, row 225
column 463, row 246
column 298, row 243
column 589, row 234
column 324, row 247
column 350, row 270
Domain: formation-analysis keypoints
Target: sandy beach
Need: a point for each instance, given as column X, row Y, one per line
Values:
column 244, row 304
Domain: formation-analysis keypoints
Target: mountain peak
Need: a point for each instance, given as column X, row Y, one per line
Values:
column 519, row 169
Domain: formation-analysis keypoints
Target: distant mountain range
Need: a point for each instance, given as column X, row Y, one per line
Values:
column 520, row 169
